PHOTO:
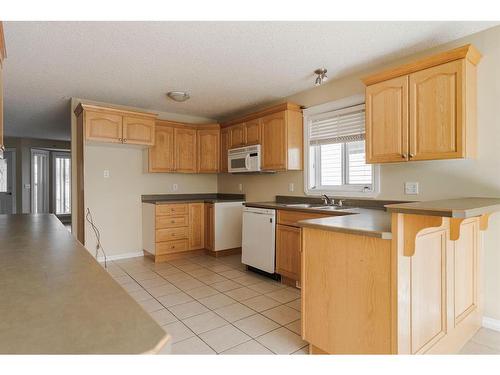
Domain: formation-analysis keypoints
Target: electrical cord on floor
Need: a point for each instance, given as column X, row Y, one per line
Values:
column 90, row 220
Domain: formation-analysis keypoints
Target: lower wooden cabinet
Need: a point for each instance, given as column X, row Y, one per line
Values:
column 288, row 248
column 209, row 226
column 172, row 228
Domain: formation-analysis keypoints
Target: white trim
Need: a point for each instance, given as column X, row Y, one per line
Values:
column 100, row 258
column 491, row 323
column 329, row 107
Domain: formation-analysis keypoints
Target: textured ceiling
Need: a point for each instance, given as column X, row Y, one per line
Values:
column 226, row 66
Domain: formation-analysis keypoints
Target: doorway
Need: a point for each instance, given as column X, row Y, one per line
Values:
column 8, row 182
column 40, row 181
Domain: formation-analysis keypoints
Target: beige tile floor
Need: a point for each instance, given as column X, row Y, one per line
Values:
column 215, row 306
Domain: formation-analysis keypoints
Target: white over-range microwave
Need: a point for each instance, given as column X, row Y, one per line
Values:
column 244, row 159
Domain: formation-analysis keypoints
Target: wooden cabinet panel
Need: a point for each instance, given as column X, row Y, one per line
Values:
column 253, row 129
column 288, row 248
column 185, row 150
column 171, row 221
column 2, row 146
column 437, row 112
column 208, row 150
column 139, row 131
column 103, row 127
column 170, row 234
column 387, row 121
column 171, row 247
column 237, row 136
column 428, row 289
column 224, row 146
column 161, row 155
column 196, row 226
column 209, row 226
column 172, row 209
column 274, row 142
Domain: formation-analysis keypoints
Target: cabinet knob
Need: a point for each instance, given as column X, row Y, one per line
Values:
column 124, row 139
column 412, row 155
column 404, row 156
column 120, row 139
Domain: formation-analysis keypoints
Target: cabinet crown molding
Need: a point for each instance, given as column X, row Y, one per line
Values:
column 287, row 106
column 97, row 108
column 467, row 51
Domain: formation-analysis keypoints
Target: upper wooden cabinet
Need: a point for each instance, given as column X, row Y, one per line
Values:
column 279, row 131
column 3, row 54
column 208, row 150
column 185, row 150
column 161, row 155
column 111, row 125
column 424, row 110
column 224, row 146
column 237, row 136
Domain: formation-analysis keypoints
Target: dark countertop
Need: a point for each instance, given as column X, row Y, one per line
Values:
column 461, row 208
column 192, row 198
column 57, row 299
column 372, row 222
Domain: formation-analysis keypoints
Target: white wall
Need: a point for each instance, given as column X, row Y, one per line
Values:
column 438, row 179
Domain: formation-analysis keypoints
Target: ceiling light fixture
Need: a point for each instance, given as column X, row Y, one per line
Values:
column 178, row 96
column 321, row 78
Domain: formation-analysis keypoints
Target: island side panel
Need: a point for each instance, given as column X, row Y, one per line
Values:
column 346, row 292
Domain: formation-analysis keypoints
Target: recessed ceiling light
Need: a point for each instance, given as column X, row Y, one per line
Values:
column 178, row 96
column 322, row 77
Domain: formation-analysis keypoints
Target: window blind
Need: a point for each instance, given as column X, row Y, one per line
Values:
column 340, row 126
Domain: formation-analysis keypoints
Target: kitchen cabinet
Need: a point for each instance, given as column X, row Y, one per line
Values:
column 185, row 150
column 279, row 131
column 224, row 147
column 3, row 54
column 172, row 228
column 209, row 227
column 253, row 130
column 161, row 155
column 237, row 136
column 424, row 110
column 208, row 141
column 111, row 125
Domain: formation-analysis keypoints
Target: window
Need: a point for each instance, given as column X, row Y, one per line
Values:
column 62, row 181
column 335, row 137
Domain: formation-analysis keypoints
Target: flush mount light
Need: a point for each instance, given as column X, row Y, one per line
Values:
column 322, row 77
column 178, row 96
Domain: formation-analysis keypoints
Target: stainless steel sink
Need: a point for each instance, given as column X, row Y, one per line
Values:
column 315, row 206
column 301, row 205
column 330, row 208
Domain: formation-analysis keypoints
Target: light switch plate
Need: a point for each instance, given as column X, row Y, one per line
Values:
column 411, row 188
column 240, row 187
column 106, row 173
column 175, row 187
column 291, row 187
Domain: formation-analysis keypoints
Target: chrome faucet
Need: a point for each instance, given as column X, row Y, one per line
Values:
column 328, row 201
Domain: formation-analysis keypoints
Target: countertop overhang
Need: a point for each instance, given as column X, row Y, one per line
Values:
column 57, row 299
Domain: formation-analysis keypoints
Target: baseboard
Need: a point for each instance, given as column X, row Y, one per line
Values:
column 491, row 323
column 100, row 258
column 223, row 253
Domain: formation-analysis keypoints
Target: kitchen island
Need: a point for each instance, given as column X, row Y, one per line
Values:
column 405, row 281
column 56, row 299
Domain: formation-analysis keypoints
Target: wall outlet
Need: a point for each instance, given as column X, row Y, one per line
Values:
column 411, row 188
column 291, row 187
column 175, row 187
column 240, row 187
column 106, row 173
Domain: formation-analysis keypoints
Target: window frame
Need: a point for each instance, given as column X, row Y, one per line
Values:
column 354, row 190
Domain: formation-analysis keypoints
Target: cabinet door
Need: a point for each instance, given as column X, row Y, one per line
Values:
column 253, row 129
column 209, row 227
column 208, row 150
column 387, row 121
column 436, row 112
column 274, row 145
column 237, row 136
column 161, row 155
column 224, row 146
column 288, row 243
column 196, row 226
column 139, row 131
column 103, row 127
column 185, row 150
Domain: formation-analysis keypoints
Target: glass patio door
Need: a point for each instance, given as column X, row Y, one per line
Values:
column 39, row 181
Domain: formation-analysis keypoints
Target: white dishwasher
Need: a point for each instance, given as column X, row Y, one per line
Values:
column 258, row 239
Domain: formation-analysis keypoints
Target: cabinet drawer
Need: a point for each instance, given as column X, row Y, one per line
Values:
column 172, row 209
column 171, row 221
column 292, row 217
column 171, row 234
column 171, row 247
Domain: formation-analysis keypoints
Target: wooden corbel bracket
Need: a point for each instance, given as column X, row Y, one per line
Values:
column 484, row 221
column 455, row 228
column 412, row 225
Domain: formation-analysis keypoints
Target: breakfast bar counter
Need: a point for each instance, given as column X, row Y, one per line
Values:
column 57, row 299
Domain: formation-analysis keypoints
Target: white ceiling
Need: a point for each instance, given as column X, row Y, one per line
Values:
column 226, row 66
